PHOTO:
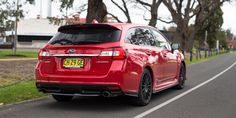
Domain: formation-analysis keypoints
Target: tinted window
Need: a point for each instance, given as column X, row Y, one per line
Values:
column 140, row 36
column 86, row 36
column 131, row 37
column 135, row 36
column 149, row 38
column 161, row 40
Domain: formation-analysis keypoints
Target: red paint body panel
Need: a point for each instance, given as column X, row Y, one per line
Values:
column 124, row 73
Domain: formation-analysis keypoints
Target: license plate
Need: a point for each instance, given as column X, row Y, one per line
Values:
column 73, row 63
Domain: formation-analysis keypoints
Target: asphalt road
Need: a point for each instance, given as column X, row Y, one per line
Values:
column 209, row 93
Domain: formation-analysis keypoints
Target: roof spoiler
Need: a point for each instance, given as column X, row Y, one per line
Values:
column 82, row 26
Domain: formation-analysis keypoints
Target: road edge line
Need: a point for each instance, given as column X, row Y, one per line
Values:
column 147, row 112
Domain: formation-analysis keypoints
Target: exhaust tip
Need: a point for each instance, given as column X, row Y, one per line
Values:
column 106, row 94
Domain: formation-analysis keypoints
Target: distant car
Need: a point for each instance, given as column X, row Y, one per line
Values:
column 109, row 60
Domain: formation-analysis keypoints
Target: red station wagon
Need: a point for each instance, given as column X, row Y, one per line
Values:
column 109, row 60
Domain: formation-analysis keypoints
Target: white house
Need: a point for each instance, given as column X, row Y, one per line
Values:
column 34, row 33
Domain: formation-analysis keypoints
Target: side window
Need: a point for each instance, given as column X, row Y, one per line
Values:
column 139, row 32
column 131, row 37
column 161, row 40
column 135, row 36
column 140, row 36
column 149, row 38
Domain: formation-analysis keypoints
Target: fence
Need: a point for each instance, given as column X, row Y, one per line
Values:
column 198, row 54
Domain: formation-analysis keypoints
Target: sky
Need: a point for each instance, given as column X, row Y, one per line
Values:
column 136, row 14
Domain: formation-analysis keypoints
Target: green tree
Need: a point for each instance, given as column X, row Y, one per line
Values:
column 222, row 37
column 229, row 34
column 183, row 11
column 8, row 12
column 213, row 26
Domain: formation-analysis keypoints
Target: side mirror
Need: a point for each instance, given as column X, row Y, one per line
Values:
column 175, row 46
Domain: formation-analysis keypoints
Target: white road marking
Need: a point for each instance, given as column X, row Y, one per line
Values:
column 182, row 94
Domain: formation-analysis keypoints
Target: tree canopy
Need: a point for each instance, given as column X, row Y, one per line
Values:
column 8, row 11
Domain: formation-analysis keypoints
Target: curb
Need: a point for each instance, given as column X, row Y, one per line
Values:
column 23, row 102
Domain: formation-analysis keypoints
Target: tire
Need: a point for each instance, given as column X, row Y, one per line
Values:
column 145, row 89
column 62, row 98
column 181, row 78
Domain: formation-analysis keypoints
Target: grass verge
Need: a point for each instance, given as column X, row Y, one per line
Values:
column 8, row 54
column 203, row 59
column 23, row 91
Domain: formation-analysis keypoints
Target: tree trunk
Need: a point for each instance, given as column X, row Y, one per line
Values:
column 185, row 37
column 181, row 37
column 153, row 20
column 96, row 10
column 154, row 13
column 191, row 39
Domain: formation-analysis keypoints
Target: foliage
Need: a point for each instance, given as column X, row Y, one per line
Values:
column 212, row 25
column 229, row 34
column 183, row 12
column 65, row 6
column 99, row 9
column 8, row 13
column 220, row 35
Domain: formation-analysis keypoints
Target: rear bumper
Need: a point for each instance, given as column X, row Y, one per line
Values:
column 118, row 75
column 127, row 82
column 81, row 89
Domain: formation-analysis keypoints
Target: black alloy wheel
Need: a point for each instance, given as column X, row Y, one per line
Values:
column 182, row 77
column 145, row 89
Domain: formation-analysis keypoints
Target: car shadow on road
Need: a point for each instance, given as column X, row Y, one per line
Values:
column 93, row 104
column 101, row 104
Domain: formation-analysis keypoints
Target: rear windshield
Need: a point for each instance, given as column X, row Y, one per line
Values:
column 85, row 36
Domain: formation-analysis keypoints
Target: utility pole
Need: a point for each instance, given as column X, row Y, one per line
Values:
column 41, row 9
column 15, row 28
column 217, row 46
column 205, row 42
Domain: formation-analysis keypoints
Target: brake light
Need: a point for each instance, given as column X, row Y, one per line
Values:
column 113, row 53
column 42, row 54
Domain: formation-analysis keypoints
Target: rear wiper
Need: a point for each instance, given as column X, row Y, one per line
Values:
column 62, row 41
column 86, row 42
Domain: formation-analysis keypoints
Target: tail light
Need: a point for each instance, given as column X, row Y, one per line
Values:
column 113, row 53
column 42, row 54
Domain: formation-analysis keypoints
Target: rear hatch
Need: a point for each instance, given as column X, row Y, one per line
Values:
column 82, row 50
